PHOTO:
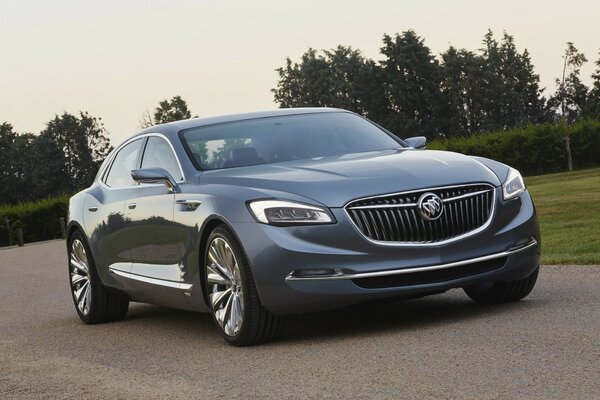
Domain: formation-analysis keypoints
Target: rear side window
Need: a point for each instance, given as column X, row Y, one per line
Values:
column 158, row 153
column 125, row 160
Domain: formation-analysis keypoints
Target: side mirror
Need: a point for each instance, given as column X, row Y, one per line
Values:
column 418, row 142
column 155, row 175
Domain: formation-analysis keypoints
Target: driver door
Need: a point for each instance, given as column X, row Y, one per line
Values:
column 155, row 250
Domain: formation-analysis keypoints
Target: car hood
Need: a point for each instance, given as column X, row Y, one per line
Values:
column 334, row 181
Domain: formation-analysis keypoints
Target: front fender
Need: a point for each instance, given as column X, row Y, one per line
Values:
column 498, row 168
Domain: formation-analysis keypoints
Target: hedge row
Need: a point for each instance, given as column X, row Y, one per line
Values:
column 535, row 149
column 38, row 219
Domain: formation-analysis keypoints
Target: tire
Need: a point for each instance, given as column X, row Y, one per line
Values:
column 502, row 292
column 94, row 302
column 232, row 296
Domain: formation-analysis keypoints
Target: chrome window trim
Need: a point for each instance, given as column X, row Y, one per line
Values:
column 154, row 281
column 342, row 276
column 101, row 174
column 483, row 227
column 107, row 164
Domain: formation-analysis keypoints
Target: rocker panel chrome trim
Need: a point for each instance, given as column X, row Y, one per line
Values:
column 153, row 281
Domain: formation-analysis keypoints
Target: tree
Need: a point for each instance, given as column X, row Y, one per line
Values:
column 22, row 168
column 84, row 143
column 340, row 78
column 45, row 166
column 146, row 120
column 592, row 107
column 412, row 80
column 512, row 93
column 570, row 97
column 8, row 172
column 41, row 168
column 33, row 167
column 303, row 84
column 167, row 111
column 171, row 110
column 462, row 78
column 411, row 92
column 493, row 89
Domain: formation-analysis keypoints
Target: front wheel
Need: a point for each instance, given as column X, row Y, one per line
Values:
column 93, row 301
column 502, row 292
column 232, row 295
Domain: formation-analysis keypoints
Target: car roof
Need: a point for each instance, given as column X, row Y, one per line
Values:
column 172, row 128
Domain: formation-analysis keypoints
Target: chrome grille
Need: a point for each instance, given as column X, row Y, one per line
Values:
column 395, row 217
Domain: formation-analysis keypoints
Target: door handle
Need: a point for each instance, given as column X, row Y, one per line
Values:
column 189, row 205
column 93, row 208
column 131, row 206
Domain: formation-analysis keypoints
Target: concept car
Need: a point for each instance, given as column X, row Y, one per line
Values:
column 253, row 216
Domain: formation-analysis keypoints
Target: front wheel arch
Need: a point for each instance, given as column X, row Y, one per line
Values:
column 208, row 226
column 258, row 325
column 72, row 228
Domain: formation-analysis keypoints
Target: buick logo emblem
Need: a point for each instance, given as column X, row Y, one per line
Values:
column 430, row 206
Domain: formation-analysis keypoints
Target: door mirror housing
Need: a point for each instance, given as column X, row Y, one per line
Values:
column 155, row 175
column 418, row 142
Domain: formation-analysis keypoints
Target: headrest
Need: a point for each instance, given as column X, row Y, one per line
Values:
column 244, row 156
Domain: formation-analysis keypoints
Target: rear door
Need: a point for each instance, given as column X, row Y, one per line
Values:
column 105, row 210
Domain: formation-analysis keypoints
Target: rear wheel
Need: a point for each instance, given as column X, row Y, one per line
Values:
column 93, row 301
column 232, row 295
column 502, row 292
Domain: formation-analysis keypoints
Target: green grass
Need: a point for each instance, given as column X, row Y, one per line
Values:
column 568, row 207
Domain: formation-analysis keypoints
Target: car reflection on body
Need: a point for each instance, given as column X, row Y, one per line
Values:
column 253, row 216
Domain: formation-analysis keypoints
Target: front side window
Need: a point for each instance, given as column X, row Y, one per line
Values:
column 125, row 161
column 284, row 138
column 158, row 154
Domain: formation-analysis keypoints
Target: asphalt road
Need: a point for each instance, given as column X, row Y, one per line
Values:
column 441, row 347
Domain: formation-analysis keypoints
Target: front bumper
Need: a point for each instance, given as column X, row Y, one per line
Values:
column 493, row 261
column 311, row 268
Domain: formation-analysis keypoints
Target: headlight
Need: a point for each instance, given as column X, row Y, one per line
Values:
column 514, row 185
column 279, row 212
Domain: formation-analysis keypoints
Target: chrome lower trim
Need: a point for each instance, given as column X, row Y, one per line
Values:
column 339, row 275
column 153, row 281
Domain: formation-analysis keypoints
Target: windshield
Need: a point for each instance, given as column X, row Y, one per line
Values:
column 283, row 138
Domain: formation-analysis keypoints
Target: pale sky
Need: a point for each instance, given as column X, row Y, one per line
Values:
column 117, row 58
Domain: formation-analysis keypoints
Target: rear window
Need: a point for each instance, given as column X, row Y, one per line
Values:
column 283, row 138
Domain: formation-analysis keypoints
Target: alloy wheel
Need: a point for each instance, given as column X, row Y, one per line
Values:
column 225, row 286
column 80, row 277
